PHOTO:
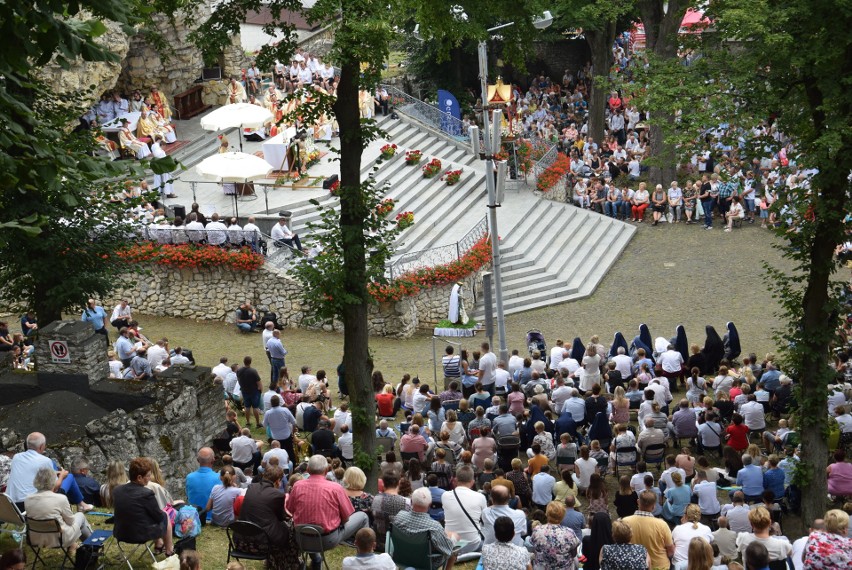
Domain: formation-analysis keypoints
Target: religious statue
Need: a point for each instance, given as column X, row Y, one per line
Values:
column 457, row 314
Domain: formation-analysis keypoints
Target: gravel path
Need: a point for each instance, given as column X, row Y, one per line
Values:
column 669, row 275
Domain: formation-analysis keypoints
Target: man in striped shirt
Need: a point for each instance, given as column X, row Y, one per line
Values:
column 452, row 366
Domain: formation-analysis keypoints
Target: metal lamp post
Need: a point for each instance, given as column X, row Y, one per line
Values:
column 490, row 148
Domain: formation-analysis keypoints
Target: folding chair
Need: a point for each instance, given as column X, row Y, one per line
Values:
column 409, row 455
column 655, row 453
column 46, row 533
column 11, row 515
column 443, row 479
column 247, row 541
column 410, row 550
column 624, row 451
column 450, row 405
column 309, row 539
column 385, row 443
column 131, row 549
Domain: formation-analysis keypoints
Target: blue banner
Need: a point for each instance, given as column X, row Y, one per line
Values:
column 448, row 103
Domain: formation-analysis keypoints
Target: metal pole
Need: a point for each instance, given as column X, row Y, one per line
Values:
column 193, row 185
column 492, row 202
column 434, row 363
column 266, row 196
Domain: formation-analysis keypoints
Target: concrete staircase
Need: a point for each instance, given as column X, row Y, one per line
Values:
column 441, row 212
column 556, row 253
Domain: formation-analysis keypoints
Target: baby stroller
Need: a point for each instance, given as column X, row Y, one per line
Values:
column 535, row 341
column 270, row 316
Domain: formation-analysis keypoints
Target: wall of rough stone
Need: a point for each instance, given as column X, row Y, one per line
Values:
column 562, row 192
column 214, row 294
column 170, row 430
column 87, row 350
column 82, row 75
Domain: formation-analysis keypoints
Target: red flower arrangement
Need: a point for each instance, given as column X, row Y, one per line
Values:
column 388, row 150
column 334, row 189
column 187, row 256
column 405, row 220
column 553, row 173
column 412, row 283
column 452, row 176
column 412, row 157
column 432, row 168
column 385, row 207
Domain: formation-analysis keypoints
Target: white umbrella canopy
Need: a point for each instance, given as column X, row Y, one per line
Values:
column 238, row 115
column 233, row 167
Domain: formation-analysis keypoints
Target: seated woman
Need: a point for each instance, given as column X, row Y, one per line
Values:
column 45, row 504
column 639, row 203
column 839, row 475
column 138, row 517
column 221, row 501
column 735, row 212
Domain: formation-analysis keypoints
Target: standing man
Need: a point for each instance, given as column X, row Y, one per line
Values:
column 121, row 315
column 251, row 388
column 265, row 337
column 487, row 368
column 316, row 500
column 280, row 423
column 96, row 315
column 652, row 533
column 277, row 352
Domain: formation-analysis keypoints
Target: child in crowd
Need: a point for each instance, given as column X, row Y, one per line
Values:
column 595, row 451
column 634, row 394
column 644, row 374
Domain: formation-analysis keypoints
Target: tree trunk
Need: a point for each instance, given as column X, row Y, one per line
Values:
column 819, row 319
column 661, row 30
column 356, row 355
column 600, row 42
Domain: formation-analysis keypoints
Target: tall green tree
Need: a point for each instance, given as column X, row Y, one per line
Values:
column 762, row 61
column 50, row 178
column 600, row 20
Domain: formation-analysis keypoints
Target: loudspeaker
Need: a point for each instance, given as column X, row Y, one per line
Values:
column 180, row 211
column 326, row 184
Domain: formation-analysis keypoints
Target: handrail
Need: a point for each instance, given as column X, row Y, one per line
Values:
column 440, row 255
column 426, row 113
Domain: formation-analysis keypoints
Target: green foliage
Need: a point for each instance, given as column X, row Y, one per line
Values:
column 324, row 283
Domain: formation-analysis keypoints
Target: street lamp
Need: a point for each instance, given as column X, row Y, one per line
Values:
column 490, row 147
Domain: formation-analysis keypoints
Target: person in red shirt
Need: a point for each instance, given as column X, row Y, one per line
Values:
column 318, row 501
column 385, row 401
column 736, row 434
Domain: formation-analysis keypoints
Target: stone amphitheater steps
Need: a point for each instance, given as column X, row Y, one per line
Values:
column 440, row 211
column 557, row 253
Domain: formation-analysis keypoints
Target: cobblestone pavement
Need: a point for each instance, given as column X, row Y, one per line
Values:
column 670, row 274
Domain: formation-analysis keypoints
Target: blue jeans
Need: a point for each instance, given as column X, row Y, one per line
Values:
column 245, row 327
column 611, row 209
column 277, row 365
column 709, row 206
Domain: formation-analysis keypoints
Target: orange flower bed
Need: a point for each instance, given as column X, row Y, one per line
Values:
column 188, row 256
column 412, row 283
column 553, row 173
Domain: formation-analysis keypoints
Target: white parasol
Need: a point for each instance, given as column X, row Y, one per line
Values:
column 233, row 167
column 239, row 115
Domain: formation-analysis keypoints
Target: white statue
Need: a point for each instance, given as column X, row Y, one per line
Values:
column 457, row 314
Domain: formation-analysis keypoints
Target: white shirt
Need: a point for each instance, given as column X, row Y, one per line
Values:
column 666, row 476
column 455, row 520
column 737, row 517
column 501, row 377
column 487, row 366
column 216, row 233
column 220, row 369
column 834, row 399
column 281, row 232
column 235, row 234
column 230, row 384
column 637, row 481
column 156, row 356
column 305, row 381
column 242, row 448
column 347, row 448
column 707, row 500
column 179, row 359
column 251, row 231
column 265, row 336
column 671, row 361
column 556, row 357
column 569, row 366
column 753, row 415
column 195, row 231
column 683, row 533
column 267, row 398
column 118, row 312
column 798, row 550
column 515, row 363
column 624, row 364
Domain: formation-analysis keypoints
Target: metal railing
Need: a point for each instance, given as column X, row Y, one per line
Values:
column 544, row 162
column 426, row 113
column 441, row 255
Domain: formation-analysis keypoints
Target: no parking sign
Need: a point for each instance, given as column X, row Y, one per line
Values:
column 59, row 351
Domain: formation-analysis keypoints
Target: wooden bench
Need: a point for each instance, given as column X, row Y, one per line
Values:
column 190, row 103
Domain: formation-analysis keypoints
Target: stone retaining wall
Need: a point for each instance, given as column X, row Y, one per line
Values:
column 214, row 294
column 170, row 430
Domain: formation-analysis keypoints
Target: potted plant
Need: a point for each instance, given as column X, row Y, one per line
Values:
column 405, row 220
column 413, row 157
column 432, row 168
column 388, row 151
column 451, row 177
